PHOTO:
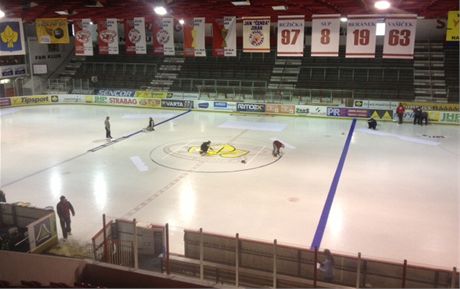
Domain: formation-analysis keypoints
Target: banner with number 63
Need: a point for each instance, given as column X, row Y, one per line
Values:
column 399, row 36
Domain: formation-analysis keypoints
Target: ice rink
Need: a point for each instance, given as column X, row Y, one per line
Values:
column 397, row 194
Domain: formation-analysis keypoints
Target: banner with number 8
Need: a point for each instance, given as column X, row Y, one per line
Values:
column 361, row 36
column 290, row 35
column 325, row 35
column 399, row 36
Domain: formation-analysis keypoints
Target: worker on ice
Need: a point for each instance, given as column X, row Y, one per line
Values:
column 277, row 145
column 205, row 147
column 372, row 123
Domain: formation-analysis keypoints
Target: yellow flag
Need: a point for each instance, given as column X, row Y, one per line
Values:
column 52, row 30
column 452, row 33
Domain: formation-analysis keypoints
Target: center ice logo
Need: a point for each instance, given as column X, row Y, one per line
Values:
column 221, row 150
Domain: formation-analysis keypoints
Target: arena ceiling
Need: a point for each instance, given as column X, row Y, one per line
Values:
column 121, row 9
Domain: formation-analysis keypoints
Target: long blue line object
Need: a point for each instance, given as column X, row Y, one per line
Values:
column 134, row 133
column 330, row 197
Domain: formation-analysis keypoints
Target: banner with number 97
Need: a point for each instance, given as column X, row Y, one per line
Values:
column 399, row 36
column 325, row 35
column 361, row 36
column 290, row 35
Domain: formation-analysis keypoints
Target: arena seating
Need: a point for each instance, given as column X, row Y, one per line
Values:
column 451, row 71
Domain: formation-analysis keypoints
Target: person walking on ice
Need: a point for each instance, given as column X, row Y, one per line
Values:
column 63, row 209
column 277, row 145
column 108, row 134
column 205, row 147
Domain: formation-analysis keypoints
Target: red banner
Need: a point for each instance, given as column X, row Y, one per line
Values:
column 135, row 36
column 189, row 50
column 83, row 37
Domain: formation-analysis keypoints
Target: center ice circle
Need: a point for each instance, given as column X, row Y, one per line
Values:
column 222, row 157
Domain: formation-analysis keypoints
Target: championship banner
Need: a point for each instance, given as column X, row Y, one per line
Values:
column 163, row 36
column 325, row 35
column 224, row 37
column 11, row 37
column 361, row 36
column 135, row 36
column 108, row 36
column 52, row 30
column 452, row 33
column 194, row 37
column 399, row 36
column 256, row 34
column 290, row 35
column 83, row 38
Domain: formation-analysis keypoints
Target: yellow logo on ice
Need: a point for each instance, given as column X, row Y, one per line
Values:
column 222, row 150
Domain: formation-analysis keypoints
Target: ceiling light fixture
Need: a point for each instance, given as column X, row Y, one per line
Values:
column 2, row 14
column 343, row 19
column 160, row 10
column 66, row 12
column 382, row 5
column 241, row 2
column 280, row 8
column 181, row 21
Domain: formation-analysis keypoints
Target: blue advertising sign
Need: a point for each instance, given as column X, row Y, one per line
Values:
column 250, row 107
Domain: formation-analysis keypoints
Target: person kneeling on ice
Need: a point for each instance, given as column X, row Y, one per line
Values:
column 277, row 145
column 151, row 125
column 372, row 123
column 205, row 147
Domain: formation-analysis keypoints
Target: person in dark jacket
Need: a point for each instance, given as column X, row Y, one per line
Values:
column 277, row 145
column 151, row 125
column 327, row 266
column 372, row 123
column 2, row 197
column 205, row 147
column 108, row 133
column 417, row 115
column 64, row 208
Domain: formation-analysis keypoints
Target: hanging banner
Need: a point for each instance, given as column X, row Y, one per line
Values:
column 453, row 28
column 224, row 36
column 163, row 36
column 399, row 36
column 290, row 35
column 83, row 37
column 325, row 35
column 135, row 36
column 361, row 36
column 256, row 34
column 108, row 36
column 52, row 30
column 11, row 37
column 194, row 37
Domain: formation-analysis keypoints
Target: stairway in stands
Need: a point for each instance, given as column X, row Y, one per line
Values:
column 167, row 72
column 429, row 75
column 284, row 77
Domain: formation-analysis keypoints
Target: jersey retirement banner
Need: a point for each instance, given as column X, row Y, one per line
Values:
column 361, row 36
column 163, row 36
column 135, row 36
column 399, row 36
column 83, row 37
column 256, row 34
column 11, row 37
column 325, row 35
column 453, row 28
column 194, row 37
column 224, row 36
column 290, row 35
column 52, row 30
column 108, row 36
